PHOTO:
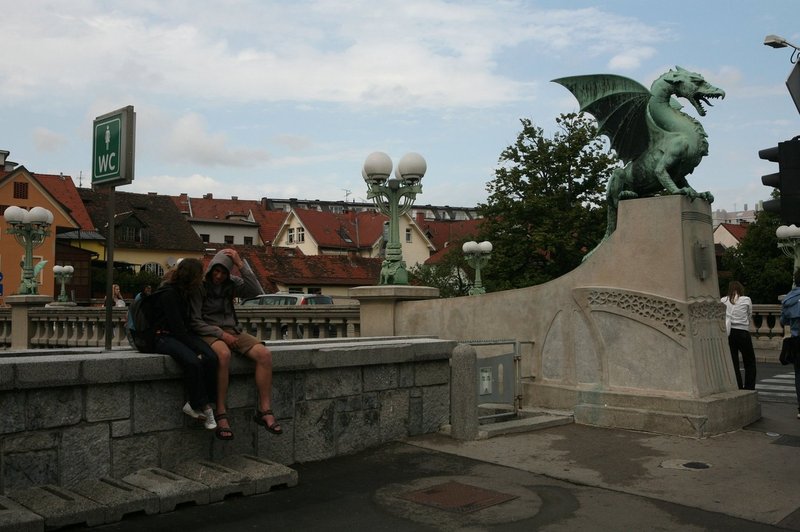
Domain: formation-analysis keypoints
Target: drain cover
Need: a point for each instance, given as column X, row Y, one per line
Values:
column 457, row 497
column 696, row 465
column 685, row 465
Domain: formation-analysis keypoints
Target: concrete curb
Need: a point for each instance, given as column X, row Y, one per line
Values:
column 151, row 490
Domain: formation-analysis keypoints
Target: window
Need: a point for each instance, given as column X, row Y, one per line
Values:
column 154, row 268
column 408, row 234
column 248, row 241
column 301, row 235
column 205, row 238
column 20, row 190
column 229, row 239
column 290, row 235
column 130, row 233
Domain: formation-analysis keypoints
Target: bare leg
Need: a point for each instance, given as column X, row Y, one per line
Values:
column 223, row 377
column 262, row 357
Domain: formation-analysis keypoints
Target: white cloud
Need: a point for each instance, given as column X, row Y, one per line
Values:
column 399, row 53
column 189, row 140
column 631, row 59
column 194, row 185
column 48, row 141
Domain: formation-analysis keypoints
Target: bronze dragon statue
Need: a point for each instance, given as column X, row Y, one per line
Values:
column 659, row 144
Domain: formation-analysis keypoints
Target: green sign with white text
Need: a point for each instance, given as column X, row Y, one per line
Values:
column 113, row 147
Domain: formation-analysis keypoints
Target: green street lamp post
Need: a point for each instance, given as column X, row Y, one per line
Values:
column 789, row 243
column 29, row 228
column 63, row 275
column 477, row 256
column 393, row 196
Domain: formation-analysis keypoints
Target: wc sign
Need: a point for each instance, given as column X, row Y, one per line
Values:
column 113, row 147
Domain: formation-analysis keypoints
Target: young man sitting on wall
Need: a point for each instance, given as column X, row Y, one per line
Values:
column 213, row 318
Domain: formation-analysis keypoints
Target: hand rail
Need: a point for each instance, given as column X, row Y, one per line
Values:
column 85, row 326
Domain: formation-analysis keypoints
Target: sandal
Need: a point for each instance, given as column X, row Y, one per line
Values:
column 223, row 433
column 274, row 428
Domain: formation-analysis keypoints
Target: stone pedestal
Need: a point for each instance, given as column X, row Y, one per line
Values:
column 379, row 305
column 20, row 323
column 632, row 338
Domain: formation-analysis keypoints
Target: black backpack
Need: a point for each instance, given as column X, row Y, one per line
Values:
column 140, row 328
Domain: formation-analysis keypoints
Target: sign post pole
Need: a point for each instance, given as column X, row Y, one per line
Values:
column 113, row 154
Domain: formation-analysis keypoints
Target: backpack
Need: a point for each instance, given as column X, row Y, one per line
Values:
column 140, row 327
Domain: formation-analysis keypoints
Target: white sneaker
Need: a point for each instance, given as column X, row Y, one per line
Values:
column 210, row 422
column 191, row 412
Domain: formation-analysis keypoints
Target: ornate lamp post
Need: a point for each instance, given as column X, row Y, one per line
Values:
column 30, row 229
column 393, row 196
column 477, row 256
column 63, row 275
column 789, row 243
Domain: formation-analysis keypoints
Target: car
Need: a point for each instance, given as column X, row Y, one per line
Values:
column 281, row 298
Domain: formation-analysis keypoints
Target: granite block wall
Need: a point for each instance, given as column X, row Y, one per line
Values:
column 71, row 417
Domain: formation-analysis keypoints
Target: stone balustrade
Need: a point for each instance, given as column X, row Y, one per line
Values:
column 766, row 322
column 85, row 326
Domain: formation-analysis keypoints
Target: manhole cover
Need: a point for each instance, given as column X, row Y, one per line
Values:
column 457, row 497
column 685, row 465
column 696, row 465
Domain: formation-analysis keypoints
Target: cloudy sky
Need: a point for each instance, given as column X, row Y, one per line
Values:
column 258, row 98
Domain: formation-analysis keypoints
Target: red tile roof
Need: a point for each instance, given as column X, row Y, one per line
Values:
column 289, row 266
column 444, row 232
column 210, row 208
column 347, row 230
column 63, row 190
column 737, row 231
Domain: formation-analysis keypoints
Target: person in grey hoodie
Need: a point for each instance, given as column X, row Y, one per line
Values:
column 213, row 318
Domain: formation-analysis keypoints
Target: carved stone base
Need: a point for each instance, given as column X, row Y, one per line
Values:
column 634, row 337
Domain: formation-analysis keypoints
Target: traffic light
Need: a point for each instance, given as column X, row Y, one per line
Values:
column 786, row 180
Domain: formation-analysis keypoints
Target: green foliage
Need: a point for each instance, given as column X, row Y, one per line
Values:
column 757, row 262
column 546, row 206
column 129, row 283
column 452, row 276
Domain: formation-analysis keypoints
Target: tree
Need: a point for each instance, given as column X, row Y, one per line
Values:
column 757, row 262
column 546, row 205
column 451, row 274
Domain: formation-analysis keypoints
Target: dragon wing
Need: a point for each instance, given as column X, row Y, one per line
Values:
column 619, row 105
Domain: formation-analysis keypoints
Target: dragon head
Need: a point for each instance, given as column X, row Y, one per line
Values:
column 692, row 86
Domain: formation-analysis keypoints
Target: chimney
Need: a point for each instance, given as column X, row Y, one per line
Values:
column 5, row 164
column 208, row 196
column 234, row 198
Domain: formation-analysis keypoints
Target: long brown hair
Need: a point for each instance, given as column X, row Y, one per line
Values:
column 735, row 289
column 186, row 277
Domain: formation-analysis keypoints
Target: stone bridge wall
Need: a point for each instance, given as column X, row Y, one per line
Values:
column 70, row 415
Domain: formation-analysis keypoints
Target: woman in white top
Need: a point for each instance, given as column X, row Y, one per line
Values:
column 738, row 309
column 116, row 295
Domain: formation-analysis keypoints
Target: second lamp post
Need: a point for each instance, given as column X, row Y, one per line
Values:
column 477, row 256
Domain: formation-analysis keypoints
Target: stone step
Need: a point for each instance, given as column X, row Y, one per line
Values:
column 525, row 422
column 150, row 490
